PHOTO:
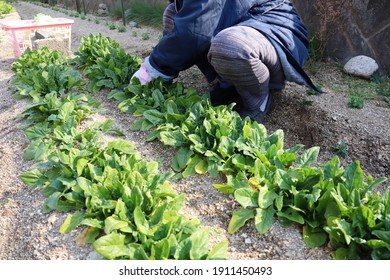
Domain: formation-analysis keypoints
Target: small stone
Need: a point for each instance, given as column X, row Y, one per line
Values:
column 361, row 66
column 132, row 24
column 94, row 256
column 52, row 240
column 52, row 219
column 248, row 241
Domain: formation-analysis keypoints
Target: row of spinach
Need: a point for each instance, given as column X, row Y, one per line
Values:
column 128, row 209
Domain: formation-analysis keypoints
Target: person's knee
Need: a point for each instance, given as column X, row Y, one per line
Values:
column 234, row 46
column 227, row 46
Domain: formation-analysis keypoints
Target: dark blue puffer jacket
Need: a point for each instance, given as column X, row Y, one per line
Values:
column 197, row 21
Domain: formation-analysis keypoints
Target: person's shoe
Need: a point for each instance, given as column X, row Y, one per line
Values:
column 259, row 113
column 225, row 96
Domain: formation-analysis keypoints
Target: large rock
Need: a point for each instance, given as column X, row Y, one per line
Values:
column 355, row 27
column 59, row 44
column 53, row 39
column 102, row 10
column 46, row 33
column 362, row 66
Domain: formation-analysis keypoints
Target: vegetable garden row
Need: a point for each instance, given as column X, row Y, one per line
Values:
column 131, row 210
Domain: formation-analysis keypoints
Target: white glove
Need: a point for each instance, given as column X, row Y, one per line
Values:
column 146, row 73
column 142, row 74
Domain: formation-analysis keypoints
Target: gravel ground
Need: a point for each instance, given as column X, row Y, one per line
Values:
column 27, row 233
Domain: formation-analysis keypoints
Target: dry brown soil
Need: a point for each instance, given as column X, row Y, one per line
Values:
column 324, row 120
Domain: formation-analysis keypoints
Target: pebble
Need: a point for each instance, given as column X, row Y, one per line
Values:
column 361, row 66
column 132, row 24
column 248, row 241
column 94, row 256
column 52, row 219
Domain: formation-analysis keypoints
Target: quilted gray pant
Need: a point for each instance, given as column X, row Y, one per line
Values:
column 240, row 56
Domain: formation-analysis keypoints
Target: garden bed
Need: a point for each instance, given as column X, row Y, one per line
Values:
column 324, row 121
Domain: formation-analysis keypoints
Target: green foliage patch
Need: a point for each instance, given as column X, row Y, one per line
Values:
column 116, row 193
column 6, row 8
column 128, row 209
column 334, row 205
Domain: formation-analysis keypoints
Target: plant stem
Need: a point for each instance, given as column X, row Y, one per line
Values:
column 123, row 13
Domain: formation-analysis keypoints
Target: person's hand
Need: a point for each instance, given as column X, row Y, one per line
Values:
column 142, row 74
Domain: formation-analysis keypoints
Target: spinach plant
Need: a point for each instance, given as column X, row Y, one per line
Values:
column 41, row 71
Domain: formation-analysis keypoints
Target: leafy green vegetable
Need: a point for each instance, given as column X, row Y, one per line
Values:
column 105, row 63
column 239, row 218
column 42, row 71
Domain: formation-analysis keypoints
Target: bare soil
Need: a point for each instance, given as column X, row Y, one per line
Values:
column 322, row 120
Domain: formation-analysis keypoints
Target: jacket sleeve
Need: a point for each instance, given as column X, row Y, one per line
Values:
column 195, row 23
